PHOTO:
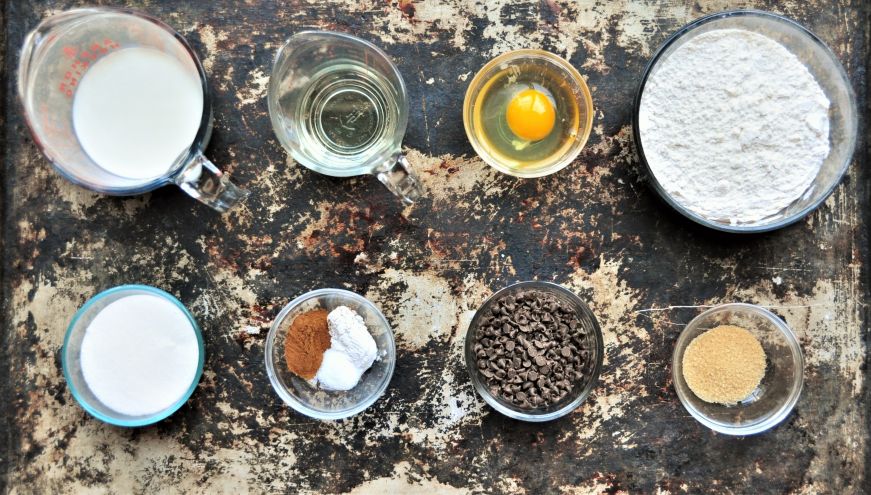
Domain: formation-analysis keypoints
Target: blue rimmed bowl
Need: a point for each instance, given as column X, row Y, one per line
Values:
column 71, row 351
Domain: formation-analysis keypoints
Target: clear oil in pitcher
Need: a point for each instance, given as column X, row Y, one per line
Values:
column 346, row 114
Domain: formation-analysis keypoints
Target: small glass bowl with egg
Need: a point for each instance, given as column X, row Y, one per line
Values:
column 528, row 113
column 309, row 399
column 778, row 391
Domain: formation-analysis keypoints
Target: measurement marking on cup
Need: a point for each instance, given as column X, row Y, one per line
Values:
column 81, row 60
column 352, row 118
column 347, row 115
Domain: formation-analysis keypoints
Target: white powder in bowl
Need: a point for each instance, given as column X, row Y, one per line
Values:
column 338, row 372
column 352, row 350
column 734, row 126
column 139, row 355
column 348, row 334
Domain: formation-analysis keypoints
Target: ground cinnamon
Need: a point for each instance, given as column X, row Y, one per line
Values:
column 307, row 339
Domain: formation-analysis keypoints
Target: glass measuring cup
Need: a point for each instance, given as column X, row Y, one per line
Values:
column 338, row 105
column 56, row 56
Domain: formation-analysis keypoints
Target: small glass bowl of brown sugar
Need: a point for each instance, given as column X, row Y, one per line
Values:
column 782, row 369
column 534, row 351
column 308, row 398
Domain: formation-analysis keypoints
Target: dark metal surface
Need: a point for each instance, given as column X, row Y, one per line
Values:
column 595, row 227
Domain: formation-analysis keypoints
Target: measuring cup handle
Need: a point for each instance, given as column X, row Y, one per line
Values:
column 401, row 181
column 202, row 180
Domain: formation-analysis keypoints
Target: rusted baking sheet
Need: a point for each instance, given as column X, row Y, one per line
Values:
column 595, row 227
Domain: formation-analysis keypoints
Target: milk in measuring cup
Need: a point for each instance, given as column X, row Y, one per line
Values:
column 136, row 111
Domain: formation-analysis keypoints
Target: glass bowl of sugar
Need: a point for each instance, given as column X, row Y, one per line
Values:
column 308, row 397
column 745, row 121
column 132, row 355
column 776, row 394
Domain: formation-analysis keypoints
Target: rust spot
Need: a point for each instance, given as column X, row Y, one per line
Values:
column 407, row 8
column 341, row 229
column 577, row 259
column 445, row 245
column 612, row 484
column 550, row 11
column 221, row 258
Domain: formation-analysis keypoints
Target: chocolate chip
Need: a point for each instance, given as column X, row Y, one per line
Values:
column 531, row 348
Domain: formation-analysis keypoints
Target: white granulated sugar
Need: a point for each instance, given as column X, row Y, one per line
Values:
column 734, row 126
column 140, row 355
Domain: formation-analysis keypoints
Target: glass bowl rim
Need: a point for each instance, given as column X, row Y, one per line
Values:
column 154, row 418
column 534, row 53
column 532, row 416
column 797, row 383
column 292, row 401
column 785, row 221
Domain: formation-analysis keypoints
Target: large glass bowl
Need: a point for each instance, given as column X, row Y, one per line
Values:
column 777, row 393
column 312, row 400
column 530, row 60
column 581, row 389
column 826, row 69
column 71, row 353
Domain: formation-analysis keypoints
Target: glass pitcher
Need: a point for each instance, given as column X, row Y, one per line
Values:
column 339, row 106
column 62, row 50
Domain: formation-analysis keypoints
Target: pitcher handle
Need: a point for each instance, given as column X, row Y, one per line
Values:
column 204, row 181
column 401, row 180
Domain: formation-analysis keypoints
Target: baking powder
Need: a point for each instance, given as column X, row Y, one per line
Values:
column 352, row 350
column 734, row 126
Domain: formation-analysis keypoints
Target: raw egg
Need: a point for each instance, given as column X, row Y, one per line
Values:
column 530, row 115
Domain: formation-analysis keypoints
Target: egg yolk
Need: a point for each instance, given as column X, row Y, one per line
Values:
column 530, row 115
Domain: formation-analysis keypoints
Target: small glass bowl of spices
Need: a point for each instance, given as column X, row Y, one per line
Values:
column 738, row 369
column 330, row 354
column 534, row 351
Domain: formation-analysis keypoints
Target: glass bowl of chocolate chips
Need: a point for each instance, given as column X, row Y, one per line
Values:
column 534, row 351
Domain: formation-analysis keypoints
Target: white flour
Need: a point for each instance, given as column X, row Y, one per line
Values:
column 734, row 126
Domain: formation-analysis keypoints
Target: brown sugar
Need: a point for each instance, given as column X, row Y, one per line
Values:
column 307, row 339
column 724, row 365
